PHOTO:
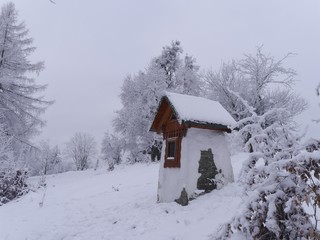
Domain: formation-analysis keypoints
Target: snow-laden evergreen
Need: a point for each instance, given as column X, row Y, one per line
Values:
column 20, row 104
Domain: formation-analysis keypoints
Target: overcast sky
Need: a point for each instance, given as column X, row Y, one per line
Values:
column 89, row 46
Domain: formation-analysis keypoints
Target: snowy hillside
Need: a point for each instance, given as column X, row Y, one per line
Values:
column 115, row 205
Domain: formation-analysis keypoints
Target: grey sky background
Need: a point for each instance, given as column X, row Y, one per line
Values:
column 90, row 46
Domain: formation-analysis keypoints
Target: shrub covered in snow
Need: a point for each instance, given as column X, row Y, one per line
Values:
column 12, row 180
column 12, row 184
column 276, row 194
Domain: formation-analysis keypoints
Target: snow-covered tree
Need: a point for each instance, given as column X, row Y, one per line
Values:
column 112, row 149
column 170, row 61
column 141, row 94
column 20, row 103
column 220, row 86
column 262, row 80
column 52, row 158
column 140, row 97
column 188, row 79
column 278, row 178
column 45, row 159
column 20, row 107
column 82, row 149
column 6, row 151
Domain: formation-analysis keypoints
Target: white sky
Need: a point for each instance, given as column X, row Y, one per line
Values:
column 90, row 46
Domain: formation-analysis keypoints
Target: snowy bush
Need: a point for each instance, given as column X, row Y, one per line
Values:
column 276, row 194
column 12, row 184
column 12, row 179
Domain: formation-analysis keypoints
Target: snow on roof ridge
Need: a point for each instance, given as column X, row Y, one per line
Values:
column 197, row 109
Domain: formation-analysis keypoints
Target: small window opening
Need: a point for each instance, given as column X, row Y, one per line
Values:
column 171, row 150
column 172, row 156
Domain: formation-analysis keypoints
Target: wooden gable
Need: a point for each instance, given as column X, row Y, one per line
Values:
column 163, row 115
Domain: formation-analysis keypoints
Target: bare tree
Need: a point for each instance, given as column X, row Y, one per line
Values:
column 81, row 148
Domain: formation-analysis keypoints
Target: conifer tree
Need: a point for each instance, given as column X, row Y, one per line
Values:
column 20, row 103
column 20, row 107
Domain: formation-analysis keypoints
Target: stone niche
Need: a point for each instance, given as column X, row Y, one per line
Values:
column 208, row 171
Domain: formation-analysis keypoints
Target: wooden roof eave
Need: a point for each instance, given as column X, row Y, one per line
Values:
column 210, row 126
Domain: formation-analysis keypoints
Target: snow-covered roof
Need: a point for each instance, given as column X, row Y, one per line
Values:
column 191, row 111
column 198, row 109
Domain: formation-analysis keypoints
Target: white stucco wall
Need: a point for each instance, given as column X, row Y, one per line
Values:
column 172, row 180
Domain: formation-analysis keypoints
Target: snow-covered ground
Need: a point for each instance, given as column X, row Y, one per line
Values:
column 121, row 204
